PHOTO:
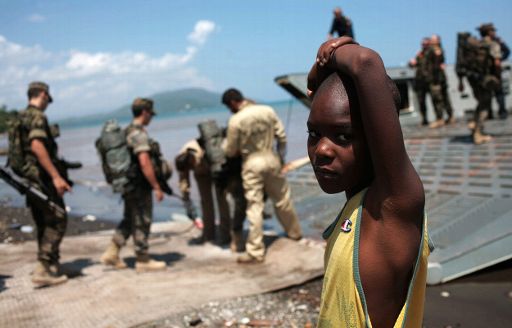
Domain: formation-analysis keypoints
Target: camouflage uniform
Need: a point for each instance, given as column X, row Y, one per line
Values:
column 204, row 180
column 251, row 132
column 421, row 86
column 138, row 200
column 50, row 229
column 481, row 91
column 500, row 93
column 438, row 83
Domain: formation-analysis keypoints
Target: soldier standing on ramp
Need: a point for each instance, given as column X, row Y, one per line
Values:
column 138, row 201
column 499, row 93
column 480, row 62
column 40, row 155
column 421, row 86
column 251, row 133
column 438, row 83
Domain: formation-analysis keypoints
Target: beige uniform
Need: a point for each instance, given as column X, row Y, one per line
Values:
column 204, row 184
column 252, row 132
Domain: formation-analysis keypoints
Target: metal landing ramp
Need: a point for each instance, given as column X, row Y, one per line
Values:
column 468, row 188
column 468, row 198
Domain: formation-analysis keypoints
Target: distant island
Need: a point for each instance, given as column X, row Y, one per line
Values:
column 168, row 102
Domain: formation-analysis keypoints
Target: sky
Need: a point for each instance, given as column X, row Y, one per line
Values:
column 99, row 55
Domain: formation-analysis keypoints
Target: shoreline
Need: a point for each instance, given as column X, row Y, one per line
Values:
column 12, row 219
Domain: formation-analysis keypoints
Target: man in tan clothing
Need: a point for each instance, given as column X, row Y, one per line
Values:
column 252, row 131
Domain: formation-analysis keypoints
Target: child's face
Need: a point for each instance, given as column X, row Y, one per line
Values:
column 336, row 144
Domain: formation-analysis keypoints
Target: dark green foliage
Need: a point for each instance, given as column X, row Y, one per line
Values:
column 4, row 117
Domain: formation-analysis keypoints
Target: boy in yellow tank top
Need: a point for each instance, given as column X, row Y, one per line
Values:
column 377, row 248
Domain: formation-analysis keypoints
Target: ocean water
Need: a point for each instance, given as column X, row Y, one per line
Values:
column 92, row 196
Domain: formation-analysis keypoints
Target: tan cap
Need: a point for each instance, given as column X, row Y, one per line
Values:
column 144, row 103
column 38, row 85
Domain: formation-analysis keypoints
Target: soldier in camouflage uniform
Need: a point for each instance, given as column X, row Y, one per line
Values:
column 483, row 74
column 138, row 201
column 421, row 86
column 438, row 83
column 41, row 169
column 499, row 93
column 252, row 131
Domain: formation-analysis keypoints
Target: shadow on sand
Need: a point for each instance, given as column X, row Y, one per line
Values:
column 168, row 258
column 3, row 278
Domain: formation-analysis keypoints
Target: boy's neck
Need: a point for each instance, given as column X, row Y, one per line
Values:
column 349, row 193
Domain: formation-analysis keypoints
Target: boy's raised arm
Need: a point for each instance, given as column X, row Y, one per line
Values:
column 393, row 170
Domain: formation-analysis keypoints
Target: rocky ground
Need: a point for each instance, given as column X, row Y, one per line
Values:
column 293, row 307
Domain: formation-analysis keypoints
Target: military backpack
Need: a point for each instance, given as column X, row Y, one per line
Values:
column 474, row 61
column 16, row 153
column 120, row 167
column 115, row 156
column 211, row 141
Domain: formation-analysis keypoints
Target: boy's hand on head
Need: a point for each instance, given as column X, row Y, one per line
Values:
column 323, row 66
column 327, row 49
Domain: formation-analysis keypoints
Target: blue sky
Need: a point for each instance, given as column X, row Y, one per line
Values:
column 98, row 55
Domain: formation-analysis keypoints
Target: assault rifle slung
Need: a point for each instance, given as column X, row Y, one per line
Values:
column 25, row 188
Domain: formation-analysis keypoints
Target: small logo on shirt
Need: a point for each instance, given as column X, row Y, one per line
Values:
column 346, row 226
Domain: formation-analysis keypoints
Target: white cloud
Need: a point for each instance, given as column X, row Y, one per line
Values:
column 36, row 18
column 201, row 32
column 86, row 82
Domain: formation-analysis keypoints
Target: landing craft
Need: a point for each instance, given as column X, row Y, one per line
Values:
column 463, row 103
column 468, row 188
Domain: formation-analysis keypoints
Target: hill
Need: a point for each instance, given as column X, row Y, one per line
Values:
column 168, row 102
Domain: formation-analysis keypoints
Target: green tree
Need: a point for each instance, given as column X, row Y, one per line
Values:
column 5, row 114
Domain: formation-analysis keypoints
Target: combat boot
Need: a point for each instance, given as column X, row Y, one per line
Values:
column 150, row 265
column 480, row 138
column 503, row 114
column 246, row 258
column 43, row 276
column 111, row 257
column 40, row 269
column 436, row 124
column 237, row 242
column 451, row 120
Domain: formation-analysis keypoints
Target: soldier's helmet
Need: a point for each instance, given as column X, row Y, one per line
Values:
column 40, row 86
column 140, row 104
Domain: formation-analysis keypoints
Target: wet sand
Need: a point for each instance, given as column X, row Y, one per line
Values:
column 11, row 220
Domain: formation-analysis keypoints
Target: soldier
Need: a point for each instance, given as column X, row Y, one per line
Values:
column 421, row 86
column 342, row 25
column 499, row 93
column 251, row 133
column 438, row 83
column 138, row 201
column 41, row 169
column 192, row 158
column 482, row 72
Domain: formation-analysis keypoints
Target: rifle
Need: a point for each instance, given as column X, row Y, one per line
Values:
column 25, row 188
column 63, row 166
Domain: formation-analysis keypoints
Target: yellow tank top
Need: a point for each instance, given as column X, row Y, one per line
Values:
column 343, row 300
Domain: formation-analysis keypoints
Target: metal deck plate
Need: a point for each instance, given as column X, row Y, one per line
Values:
column 468, row 198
